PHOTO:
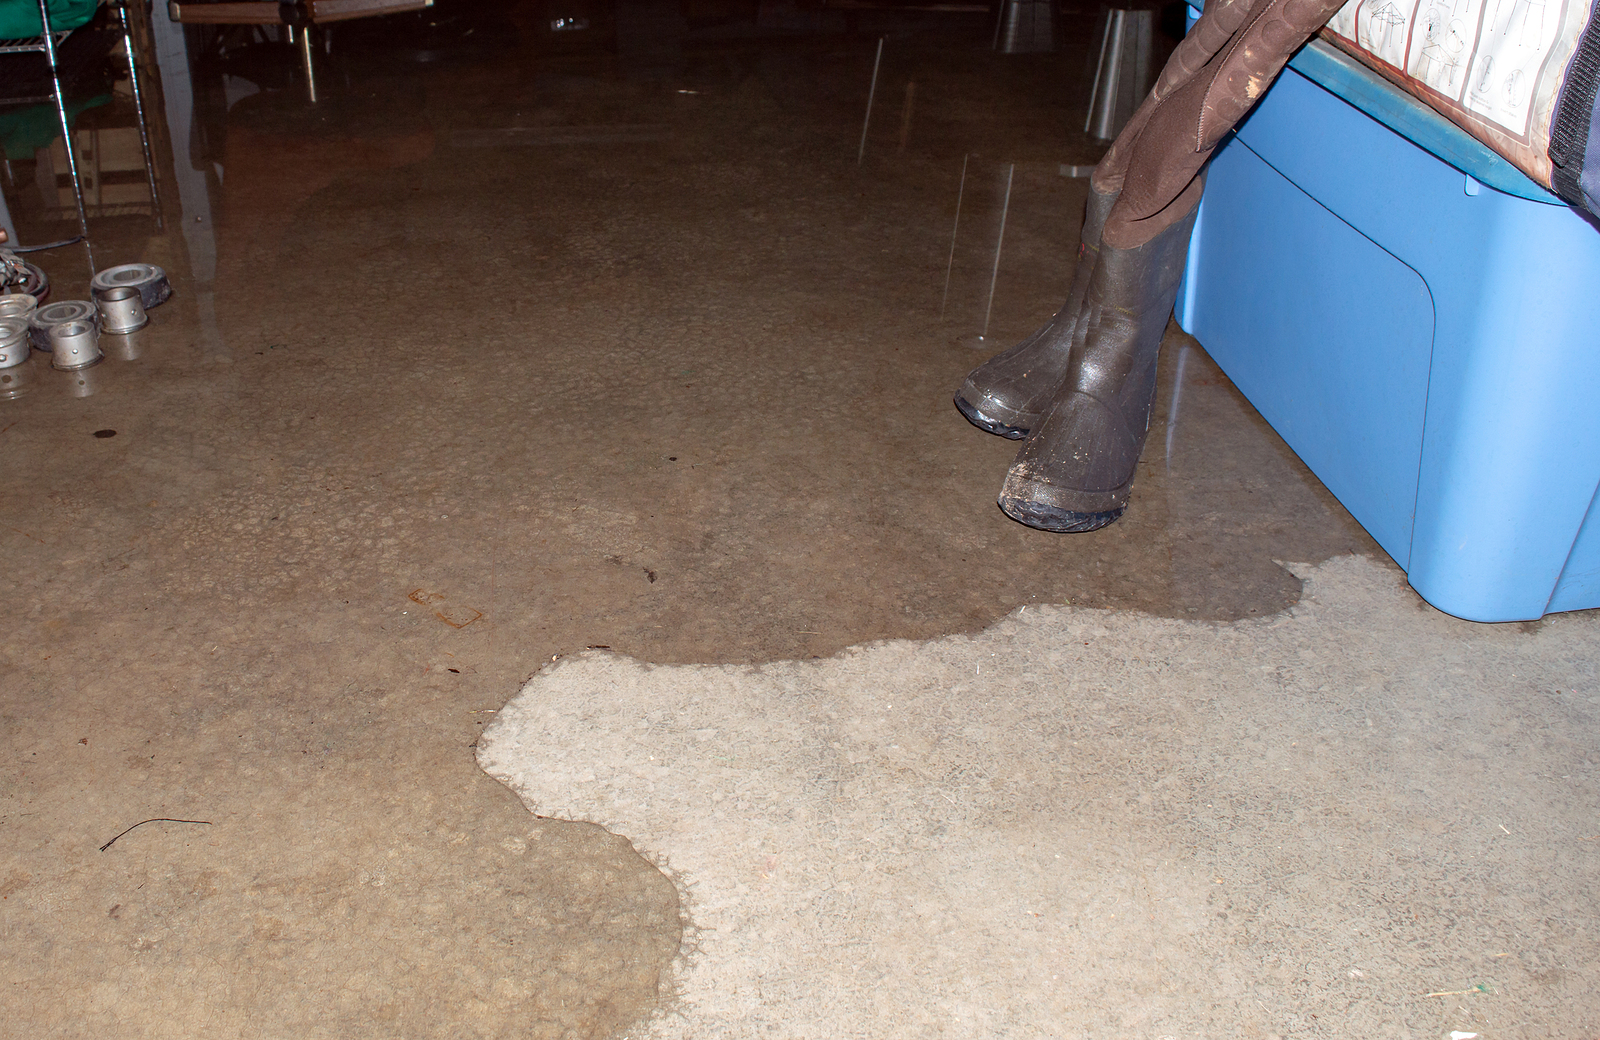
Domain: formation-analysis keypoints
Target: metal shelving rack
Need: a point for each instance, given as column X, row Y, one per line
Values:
column 46, row 44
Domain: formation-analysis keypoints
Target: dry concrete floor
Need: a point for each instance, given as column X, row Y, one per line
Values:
column 474, row 400
column 1353, row 818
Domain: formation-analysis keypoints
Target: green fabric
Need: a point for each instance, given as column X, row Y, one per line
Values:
column 19, row 19
column 23, row 130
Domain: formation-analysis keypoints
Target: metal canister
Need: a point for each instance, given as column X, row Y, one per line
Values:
column 56, row 313
column 75, row 344
column 15, row 347
column 150, row 280
column 121, row 310
column 18, row 305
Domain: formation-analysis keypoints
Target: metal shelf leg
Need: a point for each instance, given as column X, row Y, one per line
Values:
column 138, row 108
column 66, row 133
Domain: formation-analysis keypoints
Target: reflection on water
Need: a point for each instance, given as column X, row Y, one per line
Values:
column 125, row 346
column 194, row 193
column 604, row 175
column 83, row 382
column 652, row 364
column 17, row 380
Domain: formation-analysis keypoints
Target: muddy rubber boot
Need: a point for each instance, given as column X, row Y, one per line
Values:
column 1008, row 394
column 1075, row 470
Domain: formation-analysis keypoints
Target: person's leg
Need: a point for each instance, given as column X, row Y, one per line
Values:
column 1184, row 126
column 1208, row 36
column 1075, row 470
column 1009, row 393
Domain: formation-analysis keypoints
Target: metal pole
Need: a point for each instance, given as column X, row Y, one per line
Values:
column 66, row 132
column 871, row 93
column 138, row 108
column 1103, row 98
column 998, row 242
column 306, row 60
column 951, row 263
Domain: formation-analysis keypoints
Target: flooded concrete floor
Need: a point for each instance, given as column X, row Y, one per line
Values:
column 504, row 356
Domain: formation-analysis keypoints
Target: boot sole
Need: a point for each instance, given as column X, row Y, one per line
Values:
column 1041, row 517
column 988, row 425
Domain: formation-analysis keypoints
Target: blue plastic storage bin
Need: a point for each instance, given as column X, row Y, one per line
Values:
column 1428, row 344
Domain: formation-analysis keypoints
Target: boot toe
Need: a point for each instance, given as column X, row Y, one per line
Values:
column 975, row 414
column 1042, row 516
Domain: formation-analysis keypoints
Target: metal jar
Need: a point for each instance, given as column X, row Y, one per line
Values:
column 121, row 310
column 18, row 305
column 75, row 344
column 150, row 280
column 15, row 347
column 56, row 313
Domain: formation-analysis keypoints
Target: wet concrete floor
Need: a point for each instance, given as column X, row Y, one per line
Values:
column 483, row 360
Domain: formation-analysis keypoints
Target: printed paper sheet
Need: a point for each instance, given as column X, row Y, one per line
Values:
column 1492, row 66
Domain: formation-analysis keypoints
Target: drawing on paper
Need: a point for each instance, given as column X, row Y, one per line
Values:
column 1516, row 38
column 1527, row 22
column 1494, row 67
column 1444, row 43
column 1441, row 47
column 1383, row 30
